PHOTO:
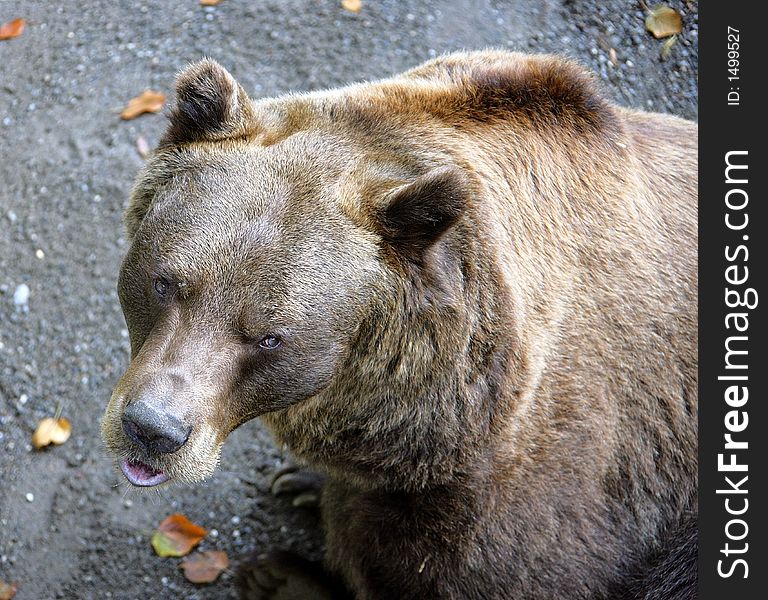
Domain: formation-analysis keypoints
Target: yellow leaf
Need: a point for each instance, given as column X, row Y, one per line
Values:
column 352, row 5
column 148, row 101
column 209, row 2
column 164, row 545
column 663, row 21
column 12, row 29
column 205, row 567
column 176, row 536
column 51, row 431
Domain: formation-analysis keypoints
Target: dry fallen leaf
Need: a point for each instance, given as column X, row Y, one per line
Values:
column 663, row 21
column 614, row 58
column 12, row 29
column 51, row 430
column 147, row 101
column 7, row 590
column 209, row 2
column 205, row 567
column 142, row 146
column 352, row 5
column 176, row 536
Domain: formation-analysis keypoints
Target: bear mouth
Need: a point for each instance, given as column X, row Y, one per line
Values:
column 142, row 475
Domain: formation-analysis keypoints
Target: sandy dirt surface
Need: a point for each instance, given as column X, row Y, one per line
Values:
column 69, row 526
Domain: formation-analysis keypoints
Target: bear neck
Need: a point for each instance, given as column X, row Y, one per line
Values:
column 421, row 395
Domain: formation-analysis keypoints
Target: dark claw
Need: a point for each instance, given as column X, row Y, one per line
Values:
column 297, row 482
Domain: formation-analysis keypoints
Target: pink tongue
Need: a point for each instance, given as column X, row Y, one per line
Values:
column 140, row 474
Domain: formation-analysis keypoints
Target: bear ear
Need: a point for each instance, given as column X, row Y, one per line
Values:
column 210, row 105
column 415, row 215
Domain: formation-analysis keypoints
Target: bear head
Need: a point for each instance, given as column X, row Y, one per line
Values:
column 268, row 241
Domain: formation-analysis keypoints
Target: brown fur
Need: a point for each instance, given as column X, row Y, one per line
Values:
column 486, row 278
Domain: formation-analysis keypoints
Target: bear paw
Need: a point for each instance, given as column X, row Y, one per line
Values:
column 285, row 576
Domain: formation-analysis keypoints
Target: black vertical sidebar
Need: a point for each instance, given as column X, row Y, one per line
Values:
column 733, row 261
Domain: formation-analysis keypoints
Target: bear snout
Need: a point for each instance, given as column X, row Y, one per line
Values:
column 154, row 429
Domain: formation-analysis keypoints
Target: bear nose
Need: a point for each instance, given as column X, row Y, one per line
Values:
column 153, row 429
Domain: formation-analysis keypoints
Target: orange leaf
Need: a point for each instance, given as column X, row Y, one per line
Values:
column 205, row 567
column 148, row 101
column 209, row 2
column 12, row 29
column 176, row 536
column 663, row 21
column 7, row 590
column 51, row 431
column 352, row 5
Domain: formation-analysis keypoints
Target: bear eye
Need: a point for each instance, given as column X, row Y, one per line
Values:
column 270, row 342
column 161, row 286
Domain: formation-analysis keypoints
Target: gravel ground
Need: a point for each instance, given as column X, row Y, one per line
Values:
column 69, row 527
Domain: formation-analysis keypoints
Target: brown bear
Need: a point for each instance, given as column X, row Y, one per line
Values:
column 466, row 295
